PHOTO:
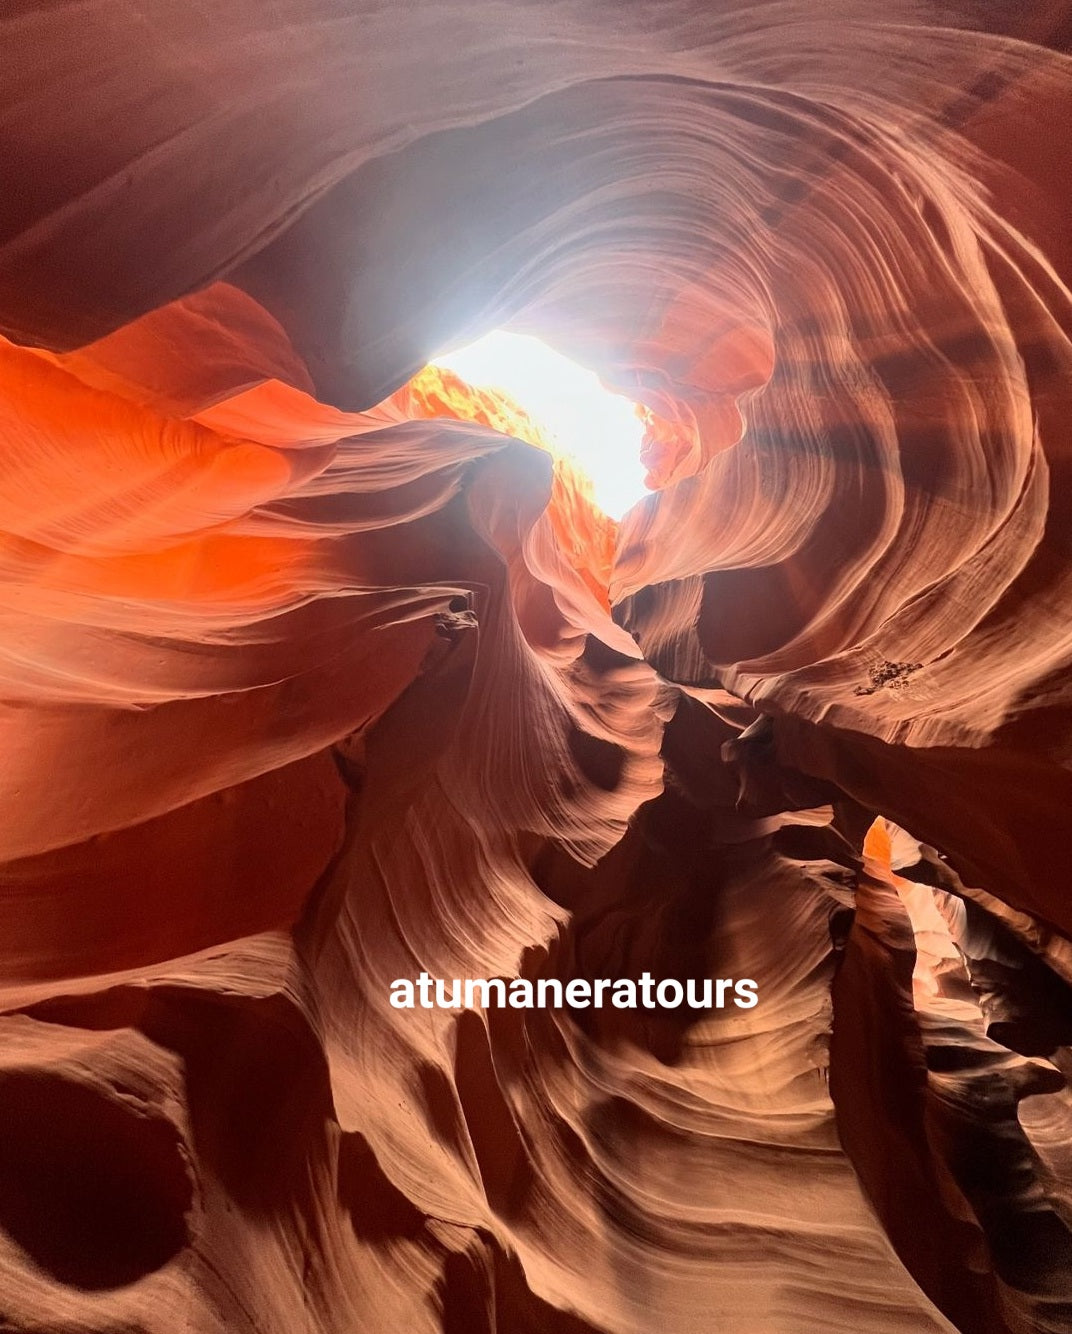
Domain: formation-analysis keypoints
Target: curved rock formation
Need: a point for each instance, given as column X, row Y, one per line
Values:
column 318, row 671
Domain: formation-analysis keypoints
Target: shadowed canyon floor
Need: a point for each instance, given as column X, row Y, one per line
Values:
column 318, row 669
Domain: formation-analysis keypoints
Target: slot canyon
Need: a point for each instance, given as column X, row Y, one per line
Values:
column 320, row 667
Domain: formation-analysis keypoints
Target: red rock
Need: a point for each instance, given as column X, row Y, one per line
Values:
column 318, row 671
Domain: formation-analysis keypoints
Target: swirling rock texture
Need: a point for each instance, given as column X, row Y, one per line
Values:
column 317, row 671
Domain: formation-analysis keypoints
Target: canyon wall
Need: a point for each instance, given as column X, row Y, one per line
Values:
column 317, row 670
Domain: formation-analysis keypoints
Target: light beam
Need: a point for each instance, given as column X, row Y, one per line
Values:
column 597, row 430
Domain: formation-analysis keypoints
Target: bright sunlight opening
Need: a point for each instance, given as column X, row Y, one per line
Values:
column 597, row 430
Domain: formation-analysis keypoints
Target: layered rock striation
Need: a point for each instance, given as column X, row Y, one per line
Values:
column 317, row 670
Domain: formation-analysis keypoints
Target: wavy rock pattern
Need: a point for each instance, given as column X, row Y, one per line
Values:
column 317, row 671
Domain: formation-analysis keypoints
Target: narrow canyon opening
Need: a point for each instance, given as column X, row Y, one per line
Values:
column 599, row 432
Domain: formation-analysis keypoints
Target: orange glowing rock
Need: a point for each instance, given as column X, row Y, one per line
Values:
column 586, row 536
column 877, row 844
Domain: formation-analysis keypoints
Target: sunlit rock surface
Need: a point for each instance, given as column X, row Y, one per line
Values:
column 317, row 670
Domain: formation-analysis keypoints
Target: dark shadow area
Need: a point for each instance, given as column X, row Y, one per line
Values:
column 95, row 1191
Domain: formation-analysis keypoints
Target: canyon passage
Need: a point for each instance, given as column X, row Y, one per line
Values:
column 321, row 667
